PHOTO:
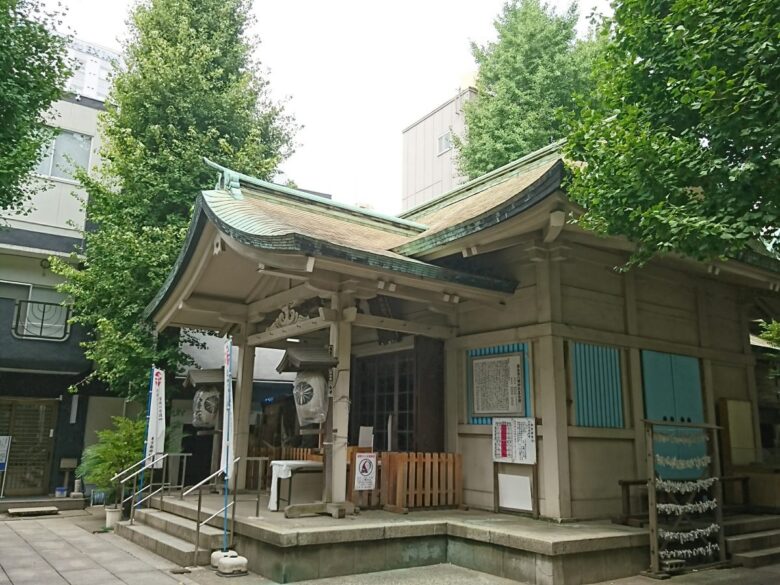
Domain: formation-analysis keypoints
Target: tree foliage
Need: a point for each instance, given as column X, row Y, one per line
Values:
column 188, row 88
column 116, row 449
column 678, row 143
column 526, row 84
column 33, row 71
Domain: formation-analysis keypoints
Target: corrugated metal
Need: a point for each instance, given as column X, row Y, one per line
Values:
column 598, row 392
column 521, row 348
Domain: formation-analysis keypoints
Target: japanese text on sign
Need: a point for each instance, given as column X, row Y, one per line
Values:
column 514, row 440
column 498, row 385
column 365, row 471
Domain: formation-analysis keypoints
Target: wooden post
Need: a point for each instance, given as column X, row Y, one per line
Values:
column 243, row 410
column 651, row 502
column 341, row 342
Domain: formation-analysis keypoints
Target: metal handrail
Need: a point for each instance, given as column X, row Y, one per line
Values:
column 134, row 465
column 217, row 473
column 156, row 461
column 215, row 514
column 198, row 523
column 164, row 484
column 159, row 489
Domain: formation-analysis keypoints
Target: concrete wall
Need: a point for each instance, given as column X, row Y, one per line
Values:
column 574, row 293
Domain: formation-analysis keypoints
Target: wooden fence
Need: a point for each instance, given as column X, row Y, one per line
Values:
column 404, row 481
column 254, row 471
column 409, row 481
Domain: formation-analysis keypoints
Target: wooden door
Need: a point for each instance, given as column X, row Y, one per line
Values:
column 672, row 391
column 31, row 424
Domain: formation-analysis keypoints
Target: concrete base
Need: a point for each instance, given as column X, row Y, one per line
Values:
column 532, row 551
column 36, row 502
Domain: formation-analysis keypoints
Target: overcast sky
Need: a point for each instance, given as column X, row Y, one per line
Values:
column 356, row 73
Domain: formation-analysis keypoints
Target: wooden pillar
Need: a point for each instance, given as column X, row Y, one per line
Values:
column 634, row 377
column 243, row 410
column 341, row 342
column 555, row 439
column 453, row 391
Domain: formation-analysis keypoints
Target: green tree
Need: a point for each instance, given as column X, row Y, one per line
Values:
column 117, row 448
column 188, row 88
column 526, row 84
column 33, row 71
column 678, row 145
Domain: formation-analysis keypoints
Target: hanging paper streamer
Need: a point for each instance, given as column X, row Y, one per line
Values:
column 689, row 535
column 684, row 487
column 676, row 463
column 692, row 508
column 689, row 553
column 680, row 439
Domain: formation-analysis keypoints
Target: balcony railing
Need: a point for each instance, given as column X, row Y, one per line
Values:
column 39, row 320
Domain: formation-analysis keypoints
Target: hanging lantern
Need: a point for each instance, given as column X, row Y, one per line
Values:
column 311, row 400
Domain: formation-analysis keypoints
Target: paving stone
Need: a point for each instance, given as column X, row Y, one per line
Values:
column 146, row 578
column 97, row 576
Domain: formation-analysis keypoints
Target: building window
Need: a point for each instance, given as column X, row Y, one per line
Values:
column 444, row 143
column 68, row 151
column 499, row 382
column 38, row 312
column 597, row 384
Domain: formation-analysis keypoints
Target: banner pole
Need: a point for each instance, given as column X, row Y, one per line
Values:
column 146, row 432
column 227, row 437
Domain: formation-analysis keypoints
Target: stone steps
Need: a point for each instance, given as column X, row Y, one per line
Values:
column 746, row 524
column 758, row 558
column 177, row 550
column 180, row 527
column 752, row 541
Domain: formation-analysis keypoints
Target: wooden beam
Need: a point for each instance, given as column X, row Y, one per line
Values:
column 204, row 304
column 295, row 330
column 278, row 300
column 410, row 327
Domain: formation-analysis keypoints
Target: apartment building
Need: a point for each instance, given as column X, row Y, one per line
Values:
column 429, row 167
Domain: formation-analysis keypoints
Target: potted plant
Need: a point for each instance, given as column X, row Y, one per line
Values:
column 116, row 449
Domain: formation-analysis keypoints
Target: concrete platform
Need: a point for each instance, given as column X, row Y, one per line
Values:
column 534, row 551
column 37, row 502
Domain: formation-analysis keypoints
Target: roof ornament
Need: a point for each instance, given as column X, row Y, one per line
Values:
column 229, row 181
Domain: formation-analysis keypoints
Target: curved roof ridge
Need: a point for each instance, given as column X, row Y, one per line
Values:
column 484, row 181
column 309, row 198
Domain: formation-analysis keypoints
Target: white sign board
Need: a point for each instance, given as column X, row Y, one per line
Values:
column 365, row 471
column 514, row 440
column 5, row 448
column 226, row 461
column 498, row 385
column 514, row 492
column 155, row 431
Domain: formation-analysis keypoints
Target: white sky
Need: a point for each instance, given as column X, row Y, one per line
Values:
column 357, row 72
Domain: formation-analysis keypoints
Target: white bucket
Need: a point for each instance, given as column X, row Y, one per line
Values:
column 113, row 516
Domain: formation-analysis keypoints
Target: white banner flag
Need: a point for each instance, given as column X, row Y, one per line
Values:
column 155, row 431
column 227, row 414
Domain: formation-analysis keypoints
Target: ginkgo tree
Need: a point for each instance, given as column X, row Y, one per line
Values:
column 188, row 87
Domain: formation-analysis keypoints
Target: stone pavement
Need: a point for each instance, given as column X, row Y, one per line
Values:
column 65, row 550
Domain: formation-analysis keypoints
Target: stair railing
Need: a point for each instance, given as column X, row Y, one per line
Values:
column 165, row 484
column 198, row 524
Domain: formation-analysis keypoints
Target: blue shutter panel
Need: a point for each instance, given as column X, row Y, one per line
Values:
column 598, row 387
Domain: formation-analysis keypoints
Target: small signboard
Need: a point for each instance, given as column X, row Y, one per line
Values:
column 365, row 471
column 5, row 448
column 514, row 440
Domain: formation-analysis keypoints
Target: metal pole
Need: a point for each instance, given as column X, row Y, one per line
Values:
column 132, row 500
column 165, row 472
column 2, row 488
column 260, row 466
column 233, row 513
column 183, row 476
column 197, row 529
column 146, row 429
